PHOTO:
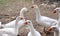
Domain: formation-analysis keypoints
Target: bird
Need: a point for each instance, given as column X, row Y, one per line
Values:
column 23, row 10
column 12, row 23
column 13, row 26
column 46, row 21
column 13, row 31
column 33, row 31
column 56, row 29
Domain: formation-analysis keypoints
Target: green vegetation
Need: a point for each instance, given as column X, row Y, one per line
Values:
column 3, row 2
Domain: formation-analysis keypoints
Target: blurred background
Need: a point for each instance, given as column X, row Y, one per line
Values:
column 9, row 10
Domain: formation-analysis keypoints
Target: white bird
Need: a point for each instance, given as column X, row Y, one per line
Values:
column 12, row 23
column 47, row 22
column 14, row 30
column 33, row 31
column 56, row 28
column 12, row 27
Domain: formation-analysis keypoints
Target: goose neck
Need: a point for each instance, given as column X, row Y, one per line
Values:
column 56, row 33
column 22, row 13
column 38, row 15
column 16, row 31
column 32, row 30
column 37, row 11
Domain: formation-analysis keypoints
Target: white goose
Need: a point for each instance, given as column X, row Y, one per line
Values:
column 32, row 32
column 13, row 31
column 12, row 23
column 13, row 26
column 47, row 22
column 56, row 28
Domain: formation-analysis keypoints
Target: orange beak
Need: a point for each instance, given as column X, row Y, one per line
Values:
column 25, row 23
column 32, row 6
column 21, row 18
column 54, row 11
column 49, row 29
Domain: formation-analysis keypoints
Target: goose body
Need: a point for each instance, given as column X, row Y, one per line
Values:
column 47, row 22
column 32, row 32
column 4, row 35
column 13, row 31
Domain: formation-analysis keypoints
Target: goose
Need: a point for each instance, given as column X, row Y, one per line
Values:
column 33, row 31
column 56, row 28
column 13, row 26
column 47, row 22
column 12, row 23
column 13, row 31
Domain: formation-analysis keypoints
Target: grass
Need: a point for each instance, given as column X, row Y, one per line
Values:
column 3, row 2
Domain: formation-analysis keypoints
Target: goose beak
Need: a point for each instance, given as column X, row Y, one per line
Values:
column 25, row 23
column 49, row 29
column 54, row 11
column 32, row 6
column 21, row 17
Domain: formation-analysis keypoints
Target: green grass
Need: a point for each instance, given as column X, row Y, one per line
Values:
column 28, row 0
column 3, row 2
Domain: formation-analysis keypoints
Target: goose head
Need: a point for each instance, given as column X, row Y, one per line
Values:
column 52, row 28
column 28, row 22
column 56, row 10
column 19, row 18
column 20, row 21
column 34, row 6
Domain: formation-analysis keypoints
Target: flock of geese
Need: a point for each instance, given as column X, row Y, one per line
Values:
column 11, row 28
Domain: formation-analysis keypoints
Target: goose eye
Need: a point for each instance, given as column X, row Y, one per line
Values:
column 29, row 22
column 49, row 29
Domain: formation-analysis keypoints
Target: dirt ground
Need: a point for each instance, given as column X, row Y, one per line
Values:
column 10, row 11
